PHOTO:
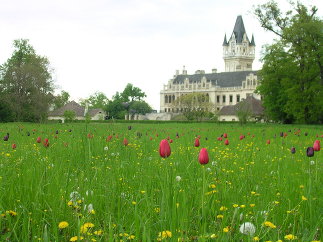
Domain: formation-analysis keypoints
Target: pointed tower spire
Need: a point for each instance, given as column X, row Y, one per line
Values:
column 252, row 43
column 239, row 29
column 225, row 42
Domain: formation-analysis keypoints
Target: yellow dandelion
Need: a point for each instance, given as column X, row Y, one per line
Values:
column 134, row 203
column 75, row 238
column 252, row 205
column 63, row 225
column 242, row 206
column 235, row 205
column 165, row 234
column 220, row 216
column 269, row 224
column 304, row 198
column 290, row 237
column 226, row 229
column 256, row 238
column 213, row 236
column 223, row 208
column 98, row 232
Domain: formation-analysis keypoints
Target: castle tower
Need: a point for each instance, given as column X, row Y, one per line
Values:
column 238, row 52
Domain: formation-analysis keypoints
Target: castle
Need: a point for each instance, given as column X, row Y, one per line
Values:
column 227, row 88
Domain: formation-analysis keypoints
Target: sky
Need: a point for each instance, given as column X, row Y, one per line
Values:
column 101, row 45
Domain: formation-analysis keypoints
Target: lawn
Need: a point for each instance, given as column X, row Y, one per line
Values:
column 86, row 183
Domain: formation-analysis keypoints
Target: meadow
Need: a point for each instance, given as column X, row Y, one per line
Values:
column 108, row 182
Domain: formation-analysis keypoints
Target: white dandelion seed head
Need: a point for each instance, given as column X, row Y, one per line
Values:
column 312, row 162
column 178, row 178
column 247, row 228
column 214, row 163
column 106, row 148
column 74, row 196
column 208, row 169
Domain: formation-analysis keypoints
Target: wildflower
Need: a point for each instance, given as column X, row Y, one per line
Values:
column 247, row 228
column 85, row 227
column 252, row 205
column 304, row 198
column 269, row 224
column 312, row 162
column 290, row 237
column 256, row 238
column 165, row 234
column 310, row 151
column 63, row 225
column 223, row 208
column 235, row 205
column 12, row 213
column 213, row 236
column 226, row 229
column 197, row 142
column 157, row 210
column 203, row 156
column 75, row 238
column 220, row 216
column 178, row 178
column 106, row 148
column 164, row 148
column 134, row 203
column 316, row 145
column 98, row 232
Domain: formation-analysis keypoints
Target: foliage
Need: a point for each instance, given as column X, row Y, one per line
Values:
column 194, row 106
column 69, row 115
column 243, row 112
column 129, row 101
column 26, row 83
column 292, row 74
column 83, row 178
column 96, row 100
column 61, row 99
column 6, row 114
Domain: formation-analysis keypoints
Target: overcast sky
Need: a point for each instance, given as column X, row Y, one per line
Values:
column 101, row 45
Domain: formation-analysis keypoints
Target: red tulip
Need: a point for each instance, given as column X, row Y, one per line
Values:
column 203, row 156
column 197, row 142
column 151, row 138
column 46, row 144
column 170, row 141
column 164, row 148
column 317, row 146
column 109, row 138
column 219, row 138
column 225, row 135
column 268, row 141
column 226, row 142
column 125, row 142
column 38, row 140
column 241, row 137
column 14, row 146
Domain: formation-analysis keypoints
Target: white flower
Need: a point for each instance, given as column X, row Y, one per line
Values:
column 75, row 196
column 312, row 162
column 106, row 148
column 214, row 163
column 247, row 228
column 178, row 178
column 208, row 169
column 89, row 192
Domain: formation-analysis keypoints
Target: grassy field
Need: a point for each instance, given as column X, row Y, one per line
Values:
column 88, row 186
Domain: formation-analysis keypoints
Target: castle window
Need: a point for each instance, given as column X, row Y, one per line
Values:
column 165, row 110
column 223, row 99
column 166, row 99
column 217, row 109
column 230, row 98
column 169, row 99
column 218, row 98
column 238, row 98
column 173, row 98
column 238, row 67
column 203, row 84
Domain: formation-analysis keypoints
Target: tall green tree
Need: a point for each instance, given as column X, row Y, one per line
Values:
column 96, row 100
column 292, row 74
column 61, row 99
column 26, row 83
column 132, row 93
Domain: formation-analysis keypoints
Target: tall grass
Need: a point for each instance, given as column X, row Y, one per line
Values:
column 137, row 195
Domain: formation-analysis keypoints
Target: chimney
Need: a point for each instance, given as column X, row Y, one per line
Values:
column 197, row 72
column 214, row 70
column 184, row 71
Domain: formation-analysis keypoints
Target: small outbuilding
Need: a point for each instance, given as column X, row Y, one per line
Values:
column 79, row 111
column 250, row 107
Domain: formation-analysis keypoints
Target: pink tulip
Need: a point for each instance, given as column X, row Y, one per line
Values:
column 164, row 148
column 203, row 156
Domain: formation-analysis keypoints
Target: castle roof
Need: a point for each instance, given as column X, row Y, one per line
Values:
column 223, row 79
column 239, row 29
column 73, row 106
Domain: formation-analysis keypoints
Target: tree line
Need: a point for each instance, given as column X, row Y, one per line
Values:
column 27, row 90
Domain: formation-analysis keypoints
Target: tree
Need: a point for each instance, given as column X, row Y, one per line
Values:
column 140, row 107
column 61, row 99
column 69, row 115
column 115, row 107
column 243, row 112
column 194, row 106
column 96, row 100
column 292, row 74
column 131, row 93
column 26, row 83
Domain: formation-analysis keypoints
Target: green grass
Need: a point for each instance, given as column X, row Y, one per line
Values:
column 135, row 194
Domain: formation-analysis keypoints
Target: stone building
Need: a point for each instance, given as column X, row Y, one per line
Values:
column 221, row 89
